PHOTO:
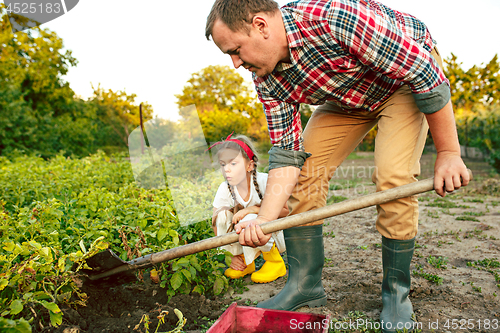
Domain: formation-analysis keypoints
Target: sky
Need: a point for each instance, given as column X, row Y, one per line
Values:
column 151, row 47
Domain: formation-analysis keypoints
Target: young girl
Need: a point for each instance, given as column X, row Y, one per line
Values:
column 238, row 199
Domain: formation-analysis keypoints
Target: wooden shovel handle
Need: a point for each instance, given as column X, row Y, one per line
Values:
column 310, row 216
column 279, row 224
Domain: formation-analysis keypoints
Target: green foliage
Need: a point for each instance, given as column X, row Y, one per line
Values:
column 476, row 101
column 428, row 276
column 224, row 103
column 41, row 115
column 118, row 115
column 33, row 275
column 444, row 203
column 481, row 129
column 54, row 213
column 488, row 265
column 466, row 218
column 335, row 199
column 432, row 213
column 478, row 85
column 438, row 262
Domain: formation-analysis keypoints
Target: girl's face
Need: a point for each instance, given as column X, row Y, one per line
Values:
column 234, row 166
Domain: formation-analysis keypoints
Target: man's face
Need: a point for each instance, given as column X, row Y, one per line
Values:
column 250, row 50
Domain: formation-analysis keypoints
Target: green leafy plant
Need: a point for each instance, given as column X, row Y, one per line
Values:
column 466, row 218
column 55, row 213
column 444, row 203
column 488, row 265
column 334, row 199
column 438, row 262
column 429, row 277
column 432, row 213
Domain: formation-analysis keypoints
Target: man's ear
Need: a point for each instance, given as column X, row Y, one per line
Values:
column 260, row 23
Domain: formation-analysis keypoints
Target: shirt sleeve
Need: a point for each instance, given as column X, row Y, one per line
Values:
column 285, row 129
column 283, row 119
column 223, row 197
column 382, row 45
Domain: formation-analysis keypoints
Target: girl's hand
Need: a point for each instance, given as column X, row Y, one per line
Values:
column 240, row 215
column 237, row 263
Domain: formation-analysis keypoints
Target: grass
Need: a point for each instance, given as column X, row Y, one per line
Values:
column 432, row 213
column 474, row 200
column 471, row 233
column 488, row 265
column 466, row 218
column 438, row 262
column 474, row 213
column 238, row 286
column 447, row 212
column 445, row 203
column 357, row 321
column 338, row 183
column 354, row 156
column 334, row 199
column 329, row 234
column 428, row 276
column 329, row 262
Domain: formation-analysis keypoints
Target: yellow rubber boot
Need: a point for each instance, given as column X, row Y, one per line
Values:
column 235, row 274
column 273, row 268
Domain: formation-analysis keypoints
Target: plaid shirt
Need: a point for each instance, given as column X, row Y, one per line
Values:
column 355, row 53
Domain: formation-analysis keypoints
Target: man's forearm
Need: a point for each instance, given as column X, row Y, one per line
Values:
column 443, row 130
column 450, row 172
column 280, row 184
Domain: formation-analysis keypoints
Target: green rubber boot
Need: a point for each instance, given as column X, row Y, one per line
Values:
column 305, row 253
column 397, row 312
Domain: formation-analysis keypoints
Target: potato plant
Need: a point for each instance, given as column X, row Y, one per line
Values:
column 55, row 213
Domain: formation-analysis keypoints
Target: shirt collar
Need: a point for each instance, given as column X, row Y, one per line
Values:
column 293, row 36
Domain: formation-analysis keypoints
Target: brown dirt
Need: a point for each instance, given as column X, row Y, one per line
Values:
column 120, row 308
column 352, row 275
column 353, row 269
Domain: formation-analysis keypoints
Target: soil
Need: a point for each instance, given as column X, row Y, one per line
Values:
column 352, row 274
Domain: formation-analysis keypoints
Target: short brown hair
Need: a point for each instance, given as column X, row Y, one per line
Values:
column 236, row 14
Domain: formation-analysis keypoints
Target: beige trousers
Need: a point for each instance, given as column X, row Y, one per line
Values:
column 331, row 135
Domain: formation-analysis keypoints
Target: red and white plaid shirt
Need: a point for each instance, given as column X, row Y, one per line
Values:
column 353, row 52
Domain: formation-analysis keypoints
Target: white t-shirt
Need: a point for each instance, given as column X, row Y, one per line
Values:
column 223, row 196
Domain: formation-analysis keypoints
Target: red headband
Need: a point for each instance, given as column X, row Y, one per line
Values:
column 240, row 143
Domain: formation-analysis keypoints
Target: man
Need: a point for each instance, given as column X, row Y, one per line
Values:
column 365, row 64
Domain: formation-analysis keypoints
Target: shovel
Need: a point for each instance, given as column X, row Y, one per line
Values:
column 106, row 263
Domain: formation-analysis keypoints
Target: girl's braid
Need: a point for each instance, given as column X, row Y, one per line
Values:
column 232, row 194
column 254, row 176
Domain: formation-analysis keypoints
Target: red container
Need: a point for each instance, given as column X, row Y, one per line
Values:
column 247, row 319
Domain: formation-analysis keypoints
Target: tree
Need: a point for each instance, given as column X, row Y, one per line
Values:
column 224, row 103
column 118, row 112
column 476, row 100
column 34, row 63
column 479, row 84
column 40, row 113
column 472, row 90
